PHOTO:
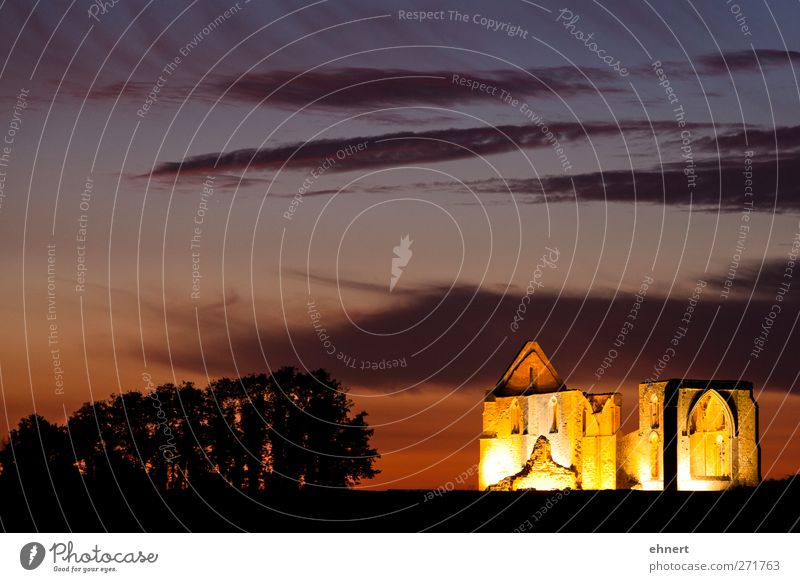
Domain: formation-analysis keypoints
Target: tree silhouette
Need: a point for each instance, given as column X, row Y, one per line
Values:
column 314, row 442
column 284, row 431
column 37, row 450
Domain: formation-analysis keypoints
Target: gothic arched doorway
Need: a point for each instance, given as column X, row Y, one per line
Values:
column 711, row 430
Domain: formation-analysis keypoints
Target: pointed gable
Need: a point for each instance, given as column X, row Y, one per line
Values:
column 530, row 372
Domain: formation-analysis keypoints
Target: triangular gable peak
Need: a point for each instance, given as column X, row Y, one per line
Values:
column 530, row 372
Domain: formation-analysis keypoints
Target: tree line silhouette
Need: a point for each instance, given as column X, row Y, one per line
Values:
column 280, row 432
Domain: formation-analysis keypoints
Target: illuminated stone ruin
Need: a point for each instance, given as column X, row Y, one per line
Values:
column 539, row 434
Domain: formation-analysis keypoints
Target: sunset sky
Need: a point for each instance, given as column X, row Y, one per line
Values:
column 219, row 189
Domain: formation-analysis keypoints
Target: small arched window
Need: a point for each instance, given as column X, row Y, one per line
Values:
column 654, row 412
column 516, row 417
column 553, row 414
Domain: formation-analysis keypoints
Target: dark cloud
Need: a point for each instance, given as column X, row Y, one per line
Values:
column 745, row 61
column 782, row 139
column 577, row 331
column 366, row 88
column 721, row 63
column 359, row 88
column 363, row 88
column 719, row 185
column 410, row 147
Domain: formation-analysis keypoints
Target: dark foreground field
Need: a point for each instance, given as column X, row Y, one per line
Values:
column 773, row 507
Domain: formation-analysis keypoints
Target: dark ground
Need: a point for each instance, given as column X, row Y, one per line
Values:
column 772, row 507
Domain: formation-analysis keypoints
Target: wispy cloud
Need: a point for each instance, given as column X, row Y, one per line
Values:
column 356, row 88
column 784, row 139
column 719, row 185
column 408, row 147
column 745, row 60
column 363, row 88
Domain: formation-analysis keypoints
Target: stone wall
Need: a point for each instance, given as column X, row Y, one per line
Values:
column 641, row 453
column 749, row 473
column 580, row 431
